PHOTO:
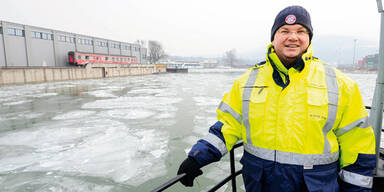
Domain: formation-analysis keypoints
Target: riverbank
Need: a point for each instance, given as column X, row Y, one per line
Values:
column 14, row 76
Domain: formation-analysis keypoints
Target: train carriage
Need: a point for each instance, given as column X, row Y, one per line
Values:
column 83, row 59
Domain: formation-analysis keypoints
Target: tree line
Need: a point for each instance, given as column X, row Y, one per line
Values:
column 156, row 52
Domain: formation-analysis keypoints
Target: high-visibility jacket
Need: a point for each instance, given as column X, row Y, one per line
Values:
column 302, row 128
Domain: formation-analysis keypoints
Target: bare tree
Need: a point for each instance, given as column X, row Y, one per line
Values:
column 230, row 57
column 141, row 43
column 156, row 51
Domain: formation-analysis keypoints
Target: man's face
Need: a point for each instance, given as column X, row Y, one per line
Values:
column 290, row 41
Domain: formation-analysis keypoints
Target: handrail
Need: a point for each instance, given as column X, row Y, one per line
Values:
column 169, row 183
column 232, row 176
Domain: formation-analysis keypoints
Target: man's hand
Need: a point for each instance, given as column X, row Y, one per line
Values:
column 192, row 169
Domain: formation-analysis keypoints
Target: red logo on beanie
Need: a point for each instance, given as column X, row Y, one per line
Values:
column 290, row 19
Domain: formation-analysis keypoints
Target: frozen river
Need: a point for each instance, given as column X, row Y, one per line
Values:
column 117, row 134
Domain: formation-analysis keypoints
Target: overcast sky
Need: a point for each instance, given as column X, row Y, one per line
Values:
column 194, row 27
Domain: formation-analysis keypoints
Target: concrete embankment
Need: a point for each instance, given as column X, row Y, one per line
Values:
column 12, row 76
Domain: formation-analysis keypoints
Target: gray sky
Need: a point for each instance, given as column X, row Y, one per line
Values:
column 195, row 27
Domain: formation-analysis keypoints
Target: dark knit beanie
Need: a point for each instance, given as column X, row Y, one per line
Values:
column 292, row 15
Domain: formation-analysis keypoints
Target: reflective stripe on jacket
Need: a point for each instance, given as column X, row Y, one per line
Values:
column 303, row 121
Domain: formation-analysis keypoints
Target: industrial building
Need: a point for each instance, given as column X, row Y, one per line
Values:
column 30, row 46
column 369, row 61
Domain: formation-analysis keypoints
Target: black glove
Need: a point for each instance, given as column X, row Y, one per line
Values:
column 192, row 169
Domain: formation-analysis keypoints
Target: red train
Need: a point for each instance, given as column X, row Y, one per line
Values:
column 82, row 59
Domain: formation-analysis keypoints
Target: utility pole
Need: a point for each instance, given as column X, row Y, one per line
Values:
column 376, row 113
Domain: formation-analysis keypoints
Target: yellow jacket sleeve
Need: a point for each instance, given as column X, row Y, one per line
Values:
column 355, row 135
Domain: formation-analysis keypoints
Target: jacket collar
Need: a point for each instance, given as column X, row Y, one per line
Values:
column 298, row 65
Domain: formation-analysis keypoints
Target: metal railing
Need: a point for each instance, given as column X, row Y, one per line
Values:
column 231, row 177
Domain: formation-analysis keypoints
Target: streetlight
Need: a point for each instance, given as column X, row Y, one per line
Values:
column 377, row 101
column 354, row 52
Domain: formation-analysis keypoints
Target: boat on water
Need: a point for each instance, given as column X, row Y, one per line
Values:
column 177, row 68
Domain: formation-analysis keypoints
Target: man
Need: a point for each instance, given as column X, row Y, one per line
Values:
column 303, row 123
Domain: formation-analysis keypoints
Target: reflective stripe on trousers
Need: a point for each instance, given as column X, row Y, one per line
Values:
column 356, row 179
column 288, row 157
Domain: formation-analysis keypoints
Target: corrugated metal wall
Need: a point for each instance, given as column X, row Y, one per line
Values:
column 23, row 46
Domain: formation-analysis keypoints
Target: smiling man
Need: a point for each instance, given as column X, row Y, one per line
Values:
column 303, row 123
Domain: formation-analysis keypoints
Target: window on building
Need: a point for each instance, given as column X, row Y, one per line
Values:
column 61, row 38
column 20, row 32
column 79, row 57
column 37, row 35
column 11, row 31
column 44, row 36
column 1, row 30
